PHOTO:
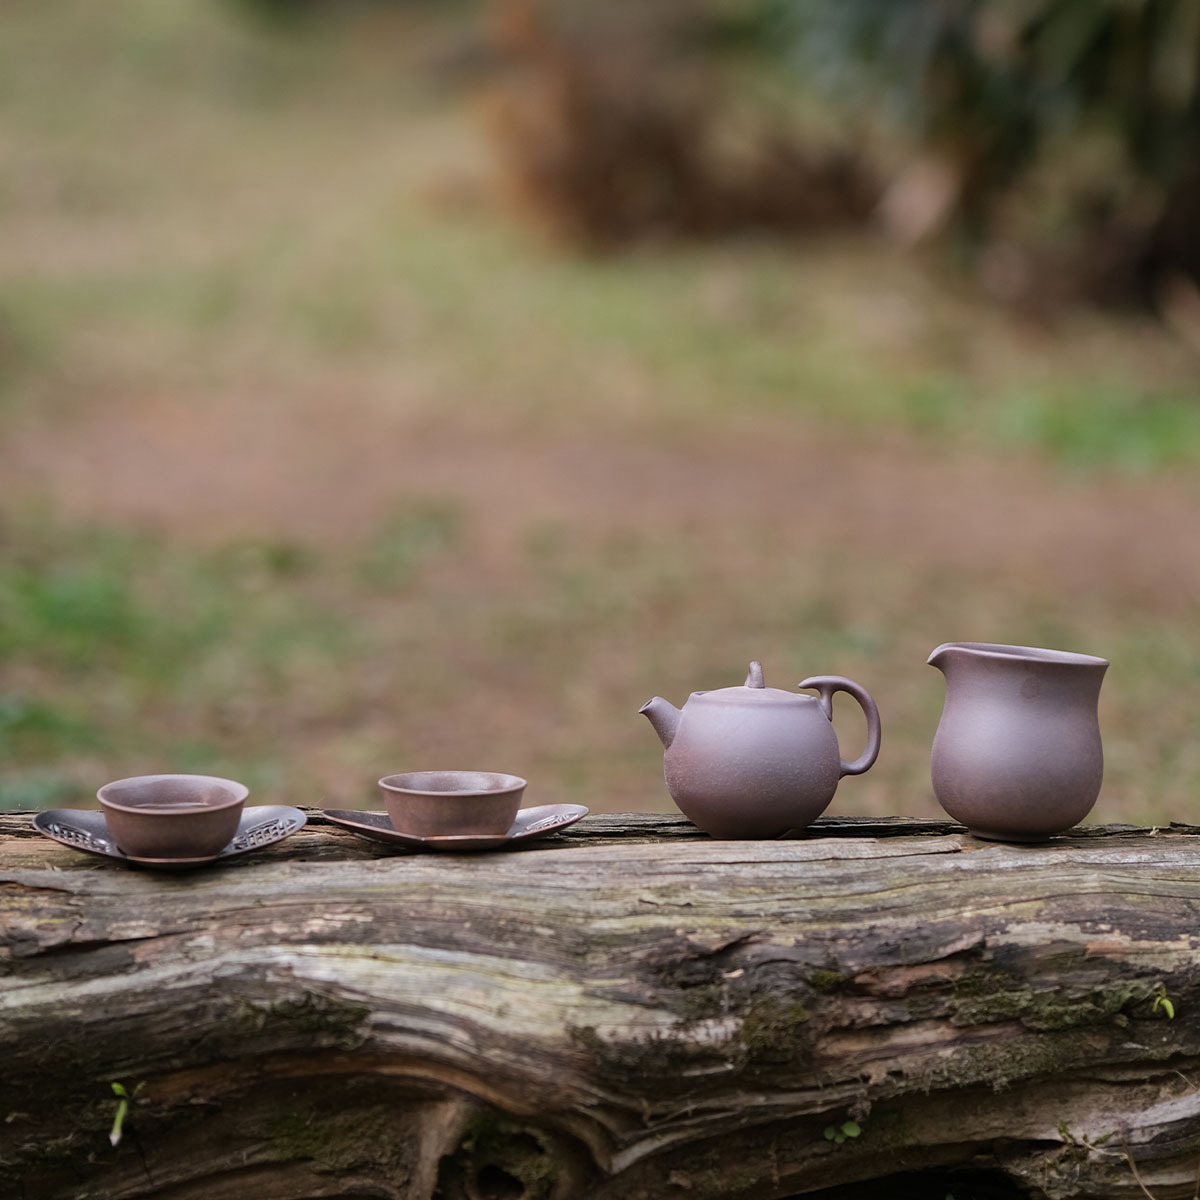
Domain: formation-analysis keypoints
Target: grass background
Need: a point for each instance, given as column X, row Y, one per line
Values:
column 318, row 464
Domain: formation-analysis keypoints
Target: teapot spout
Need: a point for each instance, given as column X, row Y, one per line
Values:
column 664, row 716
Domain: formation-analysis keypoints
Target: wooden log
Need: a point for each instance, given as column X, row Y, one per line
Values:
column 627, row 1010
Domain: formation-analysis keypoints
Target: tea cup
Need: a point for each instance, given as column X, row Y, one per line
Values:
column 172, row 816
column 452, row 803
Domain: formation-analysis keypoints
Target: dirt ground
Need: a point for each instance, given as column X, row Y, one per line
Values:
column 327, row 470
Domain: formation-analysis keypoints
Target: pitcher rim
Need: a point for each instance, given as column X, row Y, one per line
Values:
column 1040, row 654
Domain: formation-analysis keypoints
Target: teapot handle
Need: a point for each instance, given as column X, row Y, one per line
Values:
column 825, row 686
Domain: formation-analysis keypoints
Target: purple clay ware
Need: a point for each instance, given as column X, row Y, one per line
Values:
column 85, row 829
column 754, row 761
column 530, row 824
column 1017, row 754
column 452, row 803
column 172, row 816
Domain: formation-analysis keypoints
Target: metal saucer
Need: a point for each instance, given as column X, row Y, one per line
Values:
column 530, row 823
column 85, row 829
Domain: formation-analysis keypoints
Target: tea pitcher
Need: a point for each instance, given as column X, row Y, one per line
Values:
column 1017, row 754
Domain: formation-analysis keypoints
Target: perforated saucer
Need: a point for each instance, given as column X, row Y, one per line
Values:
column 85, row 829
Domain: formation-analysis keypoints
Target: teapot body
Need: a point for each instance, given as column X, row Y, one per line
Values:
column 738, row 769
column 1017, row 754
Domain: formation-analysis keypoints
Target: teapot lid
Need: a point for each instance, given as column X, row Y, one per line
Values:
column 753, row 691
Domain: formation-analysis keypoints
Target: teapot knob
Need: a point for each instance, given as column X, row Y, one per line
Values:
column 755, row 678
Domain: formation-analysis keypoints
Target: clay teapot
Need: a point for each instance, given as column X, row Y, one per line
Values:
column 754, row 761
column 1017, row 754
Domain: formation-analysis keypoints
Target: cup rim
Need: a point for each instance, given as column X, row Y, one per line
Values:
column 240, row 792
column 511, row 783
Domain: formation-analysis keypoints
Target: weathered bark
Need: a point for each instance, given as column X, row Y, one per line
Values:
column 628, row 1010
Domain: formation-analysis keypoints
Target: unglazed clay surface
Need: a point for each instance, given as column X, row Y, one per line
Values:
column 1017, row 754
column 754, row 761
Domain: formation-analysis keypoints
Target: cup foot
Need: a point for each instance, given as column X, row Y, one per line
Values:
column 992, row 835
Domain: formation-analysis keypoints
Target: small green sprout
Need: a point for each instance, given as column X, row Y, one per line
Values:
column 839, row 1133
column 124, row 1097
column 1163, row 1001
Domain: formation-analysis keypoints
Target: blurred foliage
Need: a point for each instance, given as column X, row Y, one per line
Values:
column 991, row 81
column 285, row 13
column 613, row 129
column 1007, row 73
column 1004, row 74
column 610, row 135
column 622, row 121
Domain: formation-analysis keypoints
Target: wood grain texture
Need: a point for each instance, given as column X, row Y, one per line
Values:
column 625, row 1010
